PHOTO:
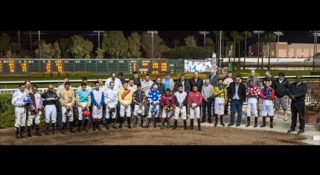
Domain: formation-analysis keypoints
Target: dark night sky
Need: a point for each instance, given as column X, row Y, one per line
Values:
column 167, row 36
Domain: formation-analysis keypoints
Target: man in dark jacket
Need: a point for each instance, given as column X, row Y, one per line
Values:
column 236, row 97
column 196, row 80
column 136, row 78
column 120, row 76
column 184, row 82
column 268, row 77
column 281, row 87
column 213, row 80
column 297, row 94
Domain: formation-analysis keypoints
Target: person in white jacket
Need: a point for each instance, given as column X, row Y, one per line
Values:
column 111, row 101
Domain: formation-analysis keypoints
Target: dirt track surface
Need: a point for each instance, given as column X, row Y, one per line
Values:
column 155, row 136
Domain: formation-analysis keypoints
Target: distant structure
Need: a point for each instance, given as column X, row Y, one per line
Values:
column 293, row 50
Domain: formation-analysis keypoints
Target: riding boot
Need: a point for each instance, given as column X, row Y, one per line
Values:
column 79, row 125
column 248, row 121
column 33, row 124
column 120, row 122
column 107, row 123
column 17, row 132
column 148, row 122
column 175, row 124
column 71, row 128
column 29, row 131
column 185, row 124
column 215, row 121
column 38, row 130
column 168, row 122
column 191, row 124
column 135, row 121
column 221, row 120
column 271, row 121
column 114, row 123
column 255, row 122
column 53, row 128
column 162, row 123
column 155, row 122
column 47, row 128
column 199, row 124
column 94, row 125
column 141, row 121
column 98, row 122
column 263, row 122
column 22, row 131
column 85, row 125
column 63, row 126
column 129, row 122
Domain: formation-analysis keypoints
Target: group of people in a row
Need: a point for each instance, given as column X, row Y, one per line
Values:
column 161, row 100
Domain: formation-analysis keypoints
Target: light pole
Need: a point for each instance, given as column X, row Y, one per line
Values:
column 39, row 44
column 258, row 32
column 278, row 33
column 152, row 32
column 204, row 33
column 19, row 43
column 98, row 31
column 315, row 35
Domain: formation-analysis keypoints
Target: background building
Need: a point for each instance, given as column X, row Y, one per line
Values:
column 284, row 50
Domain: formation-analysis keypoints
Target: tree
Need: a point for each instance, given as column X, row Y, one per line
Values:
column 234, row 35
column 4, row 44
column 229, row 49
column 239, row 39
column 190, row 41
column 216, row 34
column 46, row 50
column 184, row 52
column 31, row 50
column 81, row 48
column 267, row 39
column 115, row 44
column 100, row 53
column 224, row 39
column 65, row 44
column 15, row 48
column 210, row 46
column 246, row 36
column 38, row 43
column 134, row 45
column 176, row 42
column 56, row 51
column 158, row 45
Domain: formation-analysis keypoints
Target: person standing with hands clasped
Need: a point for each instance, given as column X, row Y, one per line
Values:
column 34, row 110
column 252, row 94
column 125, row 99
column 297, row 94
column 236, row 95
column 195, row 101
column 97, row 102
column 267, row 96
column 50, row 99
column 18, row 100
column 67, row 100
column 83, row 100
column 180, row 101
column 221, row 97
